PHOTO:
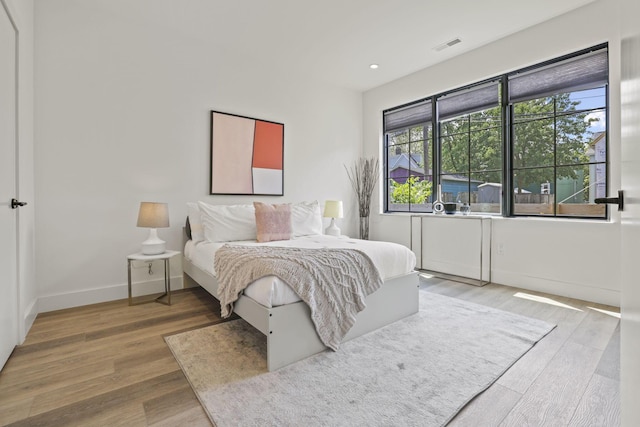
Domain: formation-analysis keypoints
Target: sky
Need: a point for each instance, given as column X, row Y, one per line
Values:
column 593, row 98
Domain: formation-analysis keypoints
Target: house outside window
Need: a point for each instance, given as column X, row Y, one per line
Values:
column 528, row 143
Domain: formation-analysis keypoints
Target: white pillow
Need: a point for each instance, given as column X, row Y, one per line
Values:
column 228, row 223
column 306, row 219
column 195, row 222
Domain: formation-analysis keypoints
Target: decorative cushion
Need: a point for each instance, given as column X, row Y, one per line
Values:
column 195, row 222
column 273, row 222
column 306, row 219
column 228, row 223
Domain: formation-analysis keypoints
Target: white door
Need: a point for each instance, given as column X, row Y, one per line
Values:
column 8, row 216
column 630, row 228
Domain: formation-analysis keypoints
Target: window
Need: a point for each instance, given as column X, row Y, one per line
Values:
column 559, row 128
column 471, row 147
column 409, row 179
column 531, row 142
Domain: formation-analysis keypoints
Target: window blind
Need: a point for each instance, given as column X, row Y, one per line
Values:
column 470, row 100
column 582, row 72
column 408, row 115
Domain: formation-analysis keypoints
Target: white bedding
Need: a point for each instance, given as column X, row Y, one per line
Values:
column 391, row 259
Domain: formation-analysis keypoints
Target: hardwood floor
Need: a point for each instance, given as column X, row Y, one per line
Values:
column 107, row 364
column 570, row 378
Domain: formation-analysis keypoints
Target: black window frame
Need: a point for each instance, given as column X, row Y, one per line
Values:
column 410, row 121
column 590, row 57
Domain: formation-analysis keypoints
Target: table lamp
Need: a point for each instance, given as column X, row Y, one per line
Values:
column 333, row 210
column 153, row 215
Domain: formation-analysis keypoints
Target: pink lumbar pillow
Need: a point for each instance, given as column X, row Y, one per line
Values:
column 273, row 222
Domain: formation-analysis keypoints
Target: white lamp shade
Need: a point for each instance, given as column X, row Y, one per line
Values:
column 153, row 215
column 333, row 209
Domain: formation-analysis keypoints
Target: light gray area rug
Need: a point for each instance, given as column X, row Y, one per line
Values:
column 419, row 371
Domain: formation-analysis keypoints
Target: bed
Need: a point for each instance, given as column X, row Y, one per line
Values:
column 272, row 307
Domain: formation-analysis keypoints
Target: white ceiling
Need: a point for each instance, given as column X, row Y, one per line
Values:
column 337, row 40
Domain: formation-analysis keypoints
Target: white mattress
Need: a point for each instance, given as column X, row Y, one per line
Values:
column 391, row 259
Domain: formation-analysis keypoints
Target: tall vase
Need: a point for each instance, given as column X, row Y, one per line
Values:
column 364, row 227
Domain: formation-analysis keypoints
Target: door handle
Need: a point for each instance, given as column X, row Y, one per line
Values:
column 15, row 204
column 613, row 200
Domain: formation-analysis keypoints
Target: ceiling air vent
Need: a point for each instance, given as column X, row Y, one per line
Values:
column 448, row 44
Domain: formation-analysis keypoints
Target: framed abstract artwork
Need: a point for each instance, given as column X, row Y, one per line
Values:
column 247, row 155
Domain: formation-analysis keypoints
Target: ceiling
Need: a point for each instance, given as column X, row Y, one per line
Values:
column 337, row 40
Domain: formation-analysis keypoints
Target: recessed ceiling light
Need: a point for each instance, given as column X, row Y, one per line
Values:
column 373, row 66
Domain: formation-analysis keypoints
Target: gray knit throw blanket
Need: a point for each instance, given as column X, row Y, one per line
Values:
column 333, row 282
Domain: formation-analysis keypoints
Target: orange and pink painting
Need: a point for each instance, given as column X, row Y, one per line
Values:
column 247, row 155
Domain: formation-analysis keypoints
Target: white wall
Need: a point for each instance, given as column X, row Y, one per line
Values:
column 573, row 258
column 122, row 116
column 22, row 14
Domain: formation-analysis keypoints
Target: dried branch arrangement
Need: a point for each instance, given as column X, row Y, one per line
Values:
column 364, row 177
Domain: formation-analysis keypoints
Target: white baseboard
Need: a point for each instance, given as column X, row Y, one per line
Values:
column 104, row 294
column 555, row 287
column 28, row 319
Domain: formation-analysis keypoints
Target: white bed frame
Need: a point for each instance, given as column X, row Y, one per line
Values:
column 291, row 335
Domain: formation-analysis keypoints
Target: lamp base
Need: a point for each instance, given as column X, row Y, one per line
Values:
column 153, row 245
column 332, row 229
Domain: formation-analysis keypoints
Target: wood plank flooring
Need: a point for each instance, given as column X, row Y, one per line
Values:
column 107, row 364
column 570, row 378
